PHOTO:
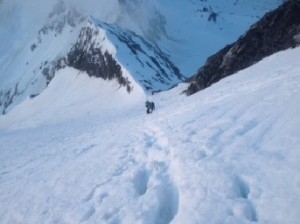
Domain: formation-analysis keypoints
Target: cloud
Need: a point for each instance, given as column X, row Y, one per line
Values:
column 136, row 15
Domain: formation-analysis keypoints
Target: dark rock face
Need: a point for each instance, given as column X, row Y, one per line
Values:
column 276, row 31
column 85, row 56
column 6, row 98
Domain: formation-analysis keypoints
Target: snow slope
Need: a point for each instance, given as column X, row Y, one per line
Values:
column 87, row 152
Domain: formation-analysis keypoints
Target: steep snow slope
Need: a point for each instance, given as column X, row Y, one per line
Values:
column 72, row 94
column 229, row 154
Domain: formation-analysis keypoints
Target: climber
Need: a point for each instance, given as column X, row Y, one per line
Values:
column 150, row 106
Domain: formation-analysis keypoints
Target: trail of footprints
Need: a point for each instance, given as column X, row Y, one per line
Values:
column 243, row 206
column 150, row 177
column 154, row 176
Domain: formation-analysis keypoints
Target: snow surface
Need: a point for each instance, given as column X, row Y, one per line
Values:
column 85, row 151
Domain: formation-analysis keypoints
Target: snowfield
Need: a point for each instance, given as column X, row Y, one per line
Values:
column 85, row 151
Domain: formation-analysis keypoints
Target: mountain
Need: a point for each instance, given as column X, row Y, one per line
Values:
column 276, row 31
column 102, row 50
column 131, row 41
column 84, row 151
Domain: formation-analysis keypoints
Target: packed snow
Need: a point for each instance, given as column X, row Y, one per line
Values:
column 85, row 151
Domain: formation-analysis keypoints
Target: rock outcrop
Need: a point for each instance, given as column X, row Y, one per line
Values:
column 86, row 56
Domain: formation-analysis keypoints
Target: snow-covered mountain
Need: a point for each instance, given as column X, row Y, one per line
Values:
column 85, row 151
column 132, row 41
column 103, row 50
